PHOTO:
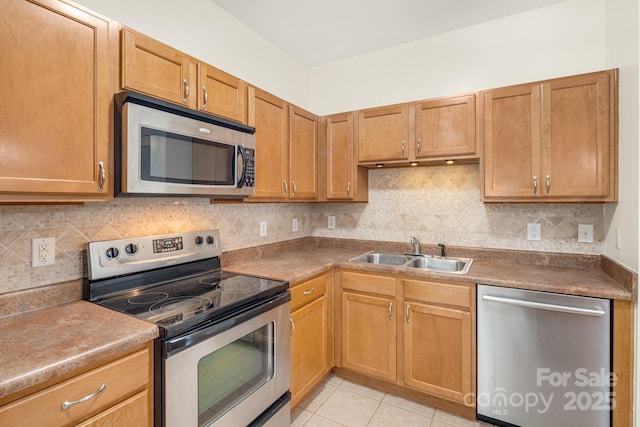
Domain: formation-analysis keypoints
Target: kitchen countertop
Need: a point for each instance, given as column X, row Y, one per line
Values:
column 42, row 344
column 303, row 263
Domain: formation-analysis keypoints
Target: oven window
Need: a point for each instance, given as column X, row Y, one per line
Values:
column 168, row 157
column 230, row 374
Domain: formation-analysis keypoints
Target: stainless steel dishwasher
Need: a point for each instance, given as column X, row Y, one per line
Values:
column 544, row 359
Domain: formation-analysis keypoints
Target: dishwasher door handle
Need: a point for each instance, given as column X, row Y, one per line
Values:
column 544, row 306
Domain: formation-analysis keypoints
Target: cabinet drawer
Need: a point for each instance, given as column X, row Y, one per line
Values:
column 383, row 285
column 308, row 291
column 438, row 293
column 122, row 378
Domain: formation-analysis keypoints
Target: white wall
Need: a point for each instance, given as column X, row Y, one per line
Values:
column 563, row 39
column 204, row 30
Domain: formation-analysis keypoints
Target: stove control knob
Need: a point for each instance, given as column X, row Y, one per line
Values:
column 199, row 240
column 131, row 249
column 210, row 240
column 112, row 253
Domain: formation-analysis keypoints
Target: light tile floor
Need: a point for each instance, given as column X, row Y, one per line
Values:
column 341, row 403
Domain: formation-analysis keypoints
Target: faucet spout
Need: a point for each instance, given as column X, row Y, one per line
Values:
column 442, row 249
column 415, row 243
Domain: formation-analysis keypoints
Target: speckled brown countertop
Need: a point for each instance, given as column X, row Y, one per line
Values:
column 42, row 344
column 568, row 274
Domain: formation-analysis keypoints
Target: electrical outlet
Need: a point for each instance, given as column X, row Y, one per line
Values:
column 263, row 228
column 43, row 252
column 294, row 224
column 533, row 231
column 331, row 222
column 585, row 233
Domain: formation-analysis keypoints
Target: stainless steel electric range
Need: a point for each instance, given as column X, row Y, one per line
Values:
column 223, row 353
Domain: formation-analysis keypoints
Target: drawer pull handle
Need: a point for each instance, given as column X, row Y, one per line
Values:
column 103, row 176
column 292, row 327
column 310, row 291
column 66, row 404
column 186, row 90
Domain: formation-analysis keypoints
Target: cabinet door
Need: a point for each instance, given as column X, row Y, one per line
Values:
column 577, row 138
column 511, row 121
column 383, row 134
column 340, row 162
column 369, row 335
column 156, row 69
column 56, row 91
column 269, row 115
column 309, row 347
column 438, row 351
column 220, row 93
column 446, row 128
column 303, row 154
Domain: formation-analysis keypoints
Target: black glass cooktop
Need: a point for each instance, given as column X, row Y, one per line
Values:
column 181, row 304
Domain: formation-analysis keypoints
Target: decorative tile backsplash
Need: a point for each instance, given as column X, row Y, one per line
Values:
column 442, row 204
column 74, row 226
column 434, row 204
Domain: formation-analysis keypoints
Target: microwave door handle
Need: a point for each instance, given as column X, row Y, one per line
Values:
column 242, row 153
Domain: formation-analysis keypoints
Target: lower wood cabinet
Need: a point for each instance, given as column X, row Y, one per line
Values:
column 439, row 350
column 117, row 393
column 416, row 334
column 311, row 335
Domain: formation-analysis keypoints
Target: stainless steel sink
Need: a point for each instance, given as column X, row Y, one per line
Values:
column 450, row 265
column 383, row 258
column 423, row 262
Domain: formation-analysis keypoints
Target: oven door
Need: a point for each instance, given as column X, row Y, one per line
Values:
column 230, row 373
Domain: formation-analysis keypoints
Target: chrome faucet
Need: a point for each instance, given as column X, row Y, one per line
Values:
column 416, row 246
column 441, row 246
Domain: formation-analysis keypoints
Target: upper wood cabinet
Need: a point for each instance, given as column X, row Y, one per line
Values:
column 303, row 149
column 383, row 134
column 445, row 128
column 153, row 68
column 425, row 132
column 552, row 141
column 221, row 94
column 286, row 148
column 56, row 88
column 270, row 116
column 341, row 177
column 156, row 69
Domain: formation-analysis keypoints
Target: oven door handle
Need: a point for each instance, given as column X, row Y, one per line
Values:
column 179, row 343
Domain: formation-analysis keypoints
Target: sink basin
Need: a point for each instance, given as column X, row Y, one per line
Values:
column 423, row 262
column 383, row 258
column 450, row 265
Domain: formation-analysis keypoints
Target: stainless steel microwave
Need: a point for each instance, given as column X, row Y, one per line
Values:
column 166, row 149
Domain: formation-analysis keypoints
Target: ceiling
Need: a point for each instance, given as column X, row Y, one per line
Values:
column 319, row 32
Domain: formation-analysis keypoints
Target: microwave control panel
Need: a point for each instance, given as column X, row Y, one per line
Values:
column 250, row 174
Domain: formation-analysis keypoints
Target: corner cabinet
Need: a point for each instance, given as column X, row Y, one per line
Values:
column 311, row 335
column 116, row 393
column 56, row 91
column 553, row 141
column 286, row 149
column 339, row 175
column 158, row 70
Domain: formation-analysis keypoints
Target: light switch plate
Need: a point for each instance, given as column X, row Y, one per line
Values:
column 294, row 225
column 331, row 222
column 263, row 228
